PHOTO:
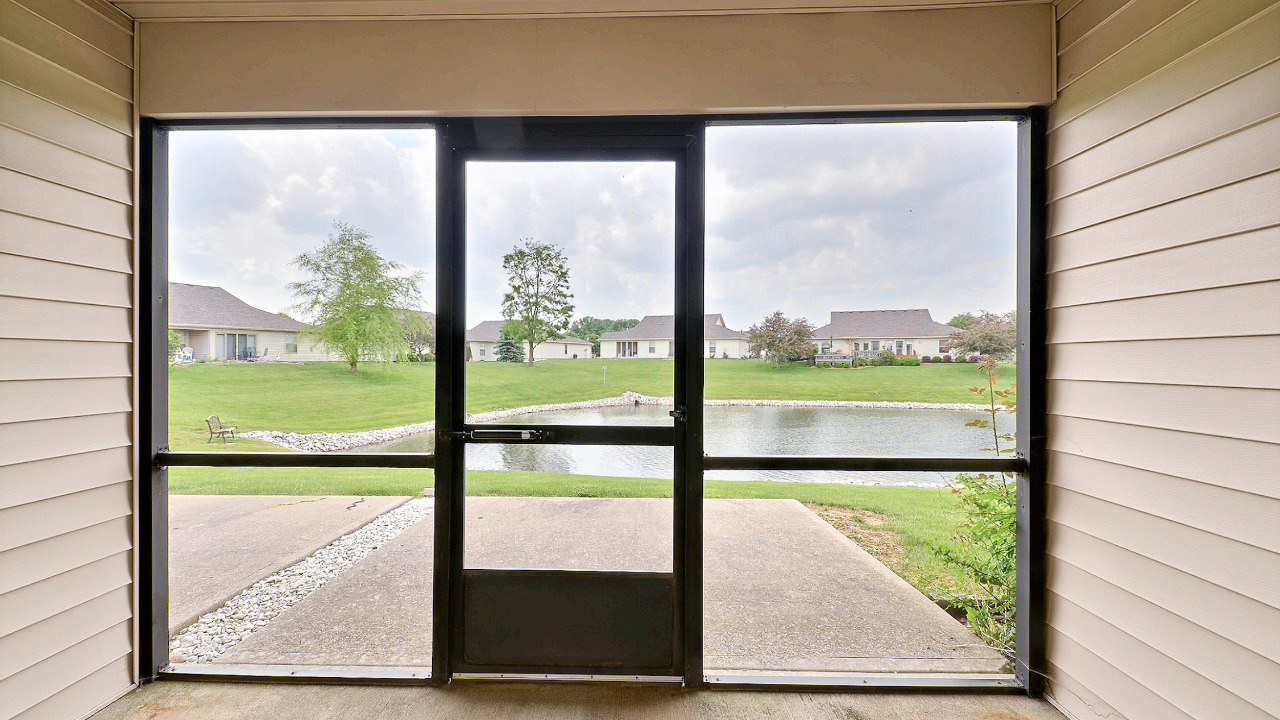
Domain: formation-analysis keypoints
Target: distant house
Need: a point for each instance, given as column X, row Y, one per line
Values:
column 217, row 325
column 482, row 341
column 867, row 333
column 654, row 337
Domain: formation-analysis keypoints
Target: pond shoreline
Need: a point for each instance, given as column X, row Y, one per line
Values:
column 339, row 441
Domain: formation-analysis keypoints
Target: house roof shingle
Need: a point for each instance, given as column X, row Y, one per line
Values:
column 663, row 327
column 491, row 330
column 883, row 324
column 213, row 307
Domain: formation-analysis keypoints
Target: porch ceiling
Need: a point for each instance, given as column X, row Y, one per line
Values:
column 465, row 9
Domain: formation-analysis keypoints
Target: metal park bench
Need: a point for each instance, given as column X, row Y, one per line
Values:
column 217, row 429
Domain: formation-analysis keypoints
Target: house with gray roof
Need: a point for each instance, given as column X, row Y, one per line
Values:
column 217, row 325
column 867, row 333
column 654, row 337
column 482, row 341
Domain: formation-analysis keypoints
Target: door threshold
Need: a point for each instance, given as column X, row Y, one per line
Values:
column 846, row 681
column 354, row 674
column 578, row 678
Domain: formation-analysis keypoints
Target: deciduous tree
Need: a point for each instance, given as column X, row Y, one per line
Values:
column 539, row 305
column 992, row 335
column 781, row 340
column 353, row 298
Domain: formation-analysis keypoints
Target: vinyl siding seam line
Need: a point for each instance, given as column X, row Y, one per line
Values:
column 1156, row 604
column 6, row 294
column 1103, row 61
column 1153, row 427
column 1163, row 249
column 1102, row 661
column 70, row 187
column 66, row 70
column 1148, row 558
column 1157, row 161
column 113, row 271
column 1136, row 641
column 1217, row 38
column 1126, row 298
column 53, row 24
column 1093, row 29
column 55, row 143
column 1202, row 191
column 66, row 109
column 114, row 622
column 1188, row 101
column 39, row 218
column 1110, row 381
column 1150, row 513
column 15, row 252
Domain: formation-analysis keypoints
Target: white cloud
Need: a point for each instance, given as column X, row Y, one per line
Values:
column 806, row 219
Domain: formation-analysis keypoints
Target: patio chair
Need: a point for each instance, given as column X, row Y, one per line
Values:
column 217, row 429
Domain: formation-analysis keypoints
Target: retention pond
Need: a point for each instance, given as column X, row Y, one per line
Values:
column 746, row 430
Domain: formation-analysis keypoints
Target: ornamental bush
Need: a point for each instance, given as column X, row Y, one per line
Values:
column 946, row 358
column 974, row 359
column 907, row 362
column 925, row 359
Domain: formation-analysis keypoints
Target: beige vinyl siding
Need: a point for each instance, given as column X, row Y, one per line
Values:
column 996, row 55
column 1164, row 329
column 66, row 333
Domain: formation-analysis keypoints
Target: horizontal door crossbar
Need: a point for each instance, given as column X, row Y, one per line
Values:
column 891, row 464
column 570, row 434
column 164, row 458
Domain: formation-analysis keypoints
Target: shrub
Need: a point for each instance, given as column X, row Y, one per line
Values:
column 946, row 358
column 937, row 358
column 907, row 362
column 974, row 359
column 925, row 359
column 844, row 365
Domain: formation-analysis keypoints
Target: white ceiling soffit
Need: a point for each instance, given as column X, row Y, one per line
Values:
column 466, row 9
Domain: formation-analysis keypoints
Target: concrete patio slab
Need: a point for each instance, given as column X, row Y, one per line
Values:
column 785, row 592
column 173, row 700
column 222, row 544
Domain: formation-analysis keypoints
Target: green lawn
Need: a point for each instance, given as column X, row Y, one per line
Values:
column 920, row 518
column 318, row 397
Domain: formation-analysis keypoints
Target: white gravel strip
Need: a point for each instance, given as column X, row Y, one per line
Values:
column 242, row 615
column 337, row 441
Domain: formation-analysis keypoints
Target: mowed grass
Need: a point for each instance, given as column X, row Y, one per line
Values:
column 324, row 397
column 920, row 518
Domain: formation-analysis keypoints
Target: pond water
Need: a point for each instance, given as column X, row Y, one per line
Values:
column 745, row 430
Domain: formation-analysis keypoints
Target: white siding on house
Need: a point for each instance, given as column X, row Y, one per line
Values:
column 1164, row 328
column 66, row 328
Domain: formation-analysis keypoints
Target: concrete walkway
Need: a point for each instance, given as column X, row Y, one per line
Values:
column 785, row 592
column 171, row 700
column 222, row 544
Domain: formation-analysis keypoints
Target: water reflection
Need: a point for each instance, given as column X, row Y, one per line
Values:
column 749, row 430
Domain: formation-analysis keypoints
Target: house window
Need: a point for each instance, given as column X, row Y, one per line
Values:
column 291, row 344
column 899, row 347
column 481, row 351
column 875, row 346
column 653, row 347
column 566, row 349
column 711, row 347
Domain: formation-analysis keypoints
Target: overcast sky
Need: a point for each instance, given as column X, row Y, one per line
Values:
column 805, row 219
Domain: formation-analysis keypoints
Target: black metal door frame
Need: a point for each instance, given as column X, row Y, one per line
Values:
column 552, row 140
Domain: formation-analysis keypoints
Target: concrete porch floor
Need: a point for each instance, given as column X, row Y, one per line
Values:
column 173, row 700
column 784, row 591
